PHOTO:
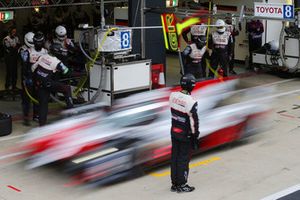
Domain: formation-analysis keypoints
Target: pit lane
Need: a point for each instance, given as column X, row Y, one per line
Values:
column 250, row 169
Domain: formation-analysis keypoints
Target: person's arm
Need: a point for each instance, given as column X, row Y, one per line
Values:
column 185, row 34
column 230, row 46
column 247, row 27
column 194, row 120
column 7, row 45
column 235, row 32
column 62, row 68
column 35, row 65
column 18, row 44
column 210, row 42
column 187, row 51
column 24, row 54
column 261, row 28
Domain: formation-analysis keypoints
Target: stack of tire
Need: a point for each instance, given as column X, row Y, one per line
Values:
column 5, row 124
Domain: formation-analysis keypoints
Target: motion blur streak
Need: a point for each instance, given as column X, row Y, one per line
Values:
column 100, row 145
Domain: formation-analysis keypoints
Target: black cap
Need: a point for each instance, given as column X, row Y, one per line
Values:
column 188, row 82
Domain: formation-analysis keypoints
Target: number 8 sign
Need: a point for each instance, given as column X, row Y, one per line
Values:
column 288, row 11
column 125, row 39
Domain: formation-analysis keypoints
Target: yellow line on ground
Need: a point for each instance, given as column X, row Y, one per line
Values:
column 192, row 165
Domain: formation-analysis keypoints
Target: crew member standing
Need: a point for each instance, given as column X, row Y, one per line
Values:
column 193, row 55
column 184, row 133
column 234, row 32
column 255, row 30
column 34, row 54
column 221, row 44
column 26, row 76
column 67, row 46
column 11, row 45
column 44, row 70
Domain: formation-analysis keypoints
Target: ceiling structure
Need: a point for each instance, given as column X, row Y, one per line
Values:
column 19, row 4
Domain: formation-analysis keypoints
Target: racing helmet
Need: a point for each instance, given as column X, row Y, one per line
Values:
column 197, row 30
column 61, row 32
column 38, row 40
column 220, row 26
column 188, row 82
column 28, row 39
column 272, row 46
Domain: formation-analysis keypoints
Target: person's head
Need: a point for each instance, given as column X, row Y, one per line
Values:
column 12, row 31
column 220, row 24
column 228, row 21
column 188, row 82
column 199, row 40
column 61, row 32
column 38, row 41
column 28, row 39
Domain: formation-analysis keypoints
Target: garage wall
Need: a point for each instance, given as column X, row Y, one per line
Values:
column 154, row 41
column 273, row 27
column 22, row 17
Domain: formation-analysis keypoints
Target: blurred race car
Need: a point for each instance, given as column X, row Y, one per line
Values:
column 100, row 145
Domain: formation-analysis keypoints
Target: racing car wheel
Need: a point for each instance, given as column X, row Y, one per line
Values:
column 5, row 124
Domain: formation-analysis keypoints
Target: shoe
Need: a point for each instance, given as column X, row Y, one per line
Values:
column 185, row 188
column 35, row 118
column 173, row 188
column 232, row 72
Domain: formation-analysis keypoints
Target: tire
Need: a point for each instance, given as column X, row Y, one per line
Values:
column 5, row 124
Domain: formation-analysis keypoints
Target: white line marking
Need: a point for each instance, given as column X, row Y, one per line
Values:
column 283, row 193
column 11, row 138
column 12, row 155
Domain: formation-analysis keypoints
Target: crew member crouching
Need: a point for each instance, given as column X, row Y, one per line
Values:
column 44, row 70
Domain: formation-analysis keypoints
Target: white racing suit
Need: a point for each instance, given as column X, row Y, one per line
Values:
column 29, row 56
column 44, row 70
column 185, row 127
column 193, row 60
column 221, row 45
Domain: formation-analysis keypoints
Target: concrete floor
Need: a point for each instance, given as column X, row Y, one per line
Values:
column 246, row 170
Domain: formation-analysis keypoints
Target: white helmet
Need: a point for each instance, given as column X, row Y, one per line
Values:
column 61, row 32
column 220, row 25
column 198, row 30
column 28, row 39
column 273, row 46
